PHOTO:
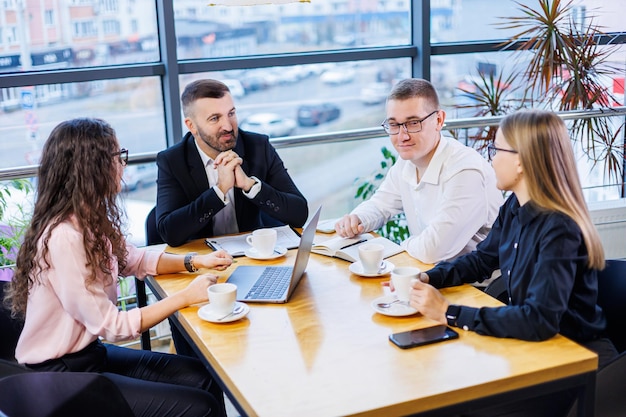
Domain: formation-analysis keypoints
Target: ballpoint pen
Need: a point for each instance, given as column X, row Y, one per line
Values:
column 355, row 243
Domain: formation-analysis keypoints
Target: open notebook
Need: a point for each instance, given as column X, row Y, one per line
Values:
column 348, row 248
column 275, row 284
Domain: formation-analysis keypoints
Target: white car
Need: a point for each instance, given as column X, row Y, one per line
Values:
column 338, row 76
column 235, row 87
column 139, row 176
column 270, row 124
column 375, row 93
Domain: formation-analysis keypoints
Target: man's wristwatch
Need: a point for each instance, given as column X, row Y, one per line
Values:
column 189, row 262
column 452, row 314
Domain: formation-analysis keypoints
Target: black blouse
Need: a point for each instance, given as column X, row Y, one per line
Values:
column 543, row 259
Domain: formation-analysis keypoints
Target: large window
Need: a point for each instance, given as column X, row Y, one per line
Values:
column 222, row 31
column 294, row 69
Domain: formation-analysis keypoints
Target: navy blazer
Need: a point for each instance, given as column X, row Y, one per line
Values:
column 186, row 205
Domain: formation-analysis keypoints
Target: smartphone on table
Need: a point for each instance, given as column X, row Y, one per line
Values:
column 420, row 337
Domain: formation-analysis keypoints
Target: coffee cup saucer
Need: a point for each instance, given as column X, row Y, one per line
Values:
column 396, row 308
column 357, row 268
column 254, row 254
column 206, row 313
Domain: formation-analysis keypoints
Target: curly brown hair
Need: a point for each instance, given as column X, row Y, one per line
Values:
column 77, row 177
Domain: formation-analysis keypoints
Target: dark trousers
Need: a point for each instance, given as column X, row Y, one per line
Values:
column 153, row 383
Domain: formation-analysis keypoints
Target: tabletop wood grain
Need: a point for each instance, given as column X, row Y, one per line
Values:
column 326, row 352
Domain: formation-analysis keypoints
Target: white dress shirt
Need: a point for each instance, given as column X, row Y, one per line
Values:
column 449, row 211
column 225, row 221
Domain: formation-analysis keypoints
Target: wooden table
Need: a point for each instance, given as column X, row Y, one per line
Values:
column 326, row 352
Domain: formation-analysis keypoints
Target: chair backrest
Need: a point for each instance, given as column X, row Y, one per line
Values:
column 10, row 329
column 612, row 299
column 497, row 289
column 152, row 234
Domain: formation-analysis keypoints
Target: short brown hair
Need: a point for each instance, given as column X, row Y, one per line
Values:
column 198, row 89
column 415, row 87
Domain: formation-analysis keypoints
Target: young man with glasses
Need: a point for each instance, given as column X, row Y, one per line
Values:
column 446, row 189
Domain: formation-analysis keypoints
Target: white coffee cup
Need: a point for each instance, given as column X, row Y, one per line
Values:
column 263, row 241
column 401, row 278
column 222, row 297
column 371, row 257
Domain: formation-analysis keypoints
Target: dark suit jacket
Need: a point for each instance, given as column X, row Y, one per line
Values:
column 186, row 205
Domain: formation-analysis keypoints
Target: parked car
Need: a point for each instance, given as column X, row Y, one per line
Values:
column 270, row 124
column 338, row 76
column 235, row 87
column 254, row 83
column 139, row 176
column 315, row 114
column 375, row 93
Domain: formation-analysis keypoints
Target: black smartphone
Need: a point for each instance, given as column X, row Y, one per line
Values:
column 421, row 337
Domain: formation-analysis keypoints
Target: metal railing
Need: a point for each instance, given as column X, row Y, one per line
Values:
column 345, row 136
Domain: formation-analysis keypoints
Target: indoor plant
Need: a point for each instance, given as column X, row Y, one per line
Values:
column 14, row 220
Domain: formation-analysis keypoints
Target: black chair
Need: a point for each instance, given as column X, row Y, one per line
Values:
column 611, row 380
column 612, row 299
column 152, row 234
column 56, row 394
column 10, row 329
column 497, row 289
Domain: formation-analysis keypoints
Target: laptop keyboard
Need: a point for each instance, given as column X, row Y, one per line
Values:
column 271, row 284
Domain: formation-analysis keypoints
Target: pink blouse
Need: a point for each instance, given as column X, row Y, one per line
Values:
column 62, row 315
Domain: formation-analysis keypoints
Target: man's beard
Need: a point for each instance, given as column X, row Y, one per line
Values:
column 215, row 143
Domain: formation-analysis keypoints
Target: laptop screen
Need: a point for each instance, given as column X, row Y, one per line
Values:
column 304, row 250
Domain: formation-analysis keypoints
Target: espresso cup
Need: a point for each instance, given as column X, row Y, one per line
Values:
column 371, row 257
column 401, row 278
column 263, row 241
column 222, row 298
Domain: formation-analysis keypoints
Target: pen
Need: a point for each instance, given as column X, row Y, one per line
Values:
column 355, row 243
column 213, row 245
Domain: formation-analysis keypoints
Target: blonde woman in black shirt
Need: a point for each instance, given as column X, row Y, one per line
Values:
column 543, row 241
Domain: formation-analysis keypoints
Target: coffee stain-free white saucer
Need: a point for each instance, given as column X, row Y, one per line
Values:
column 206, row 313
column 357, row 268
column 397, row 309
column 254, row 254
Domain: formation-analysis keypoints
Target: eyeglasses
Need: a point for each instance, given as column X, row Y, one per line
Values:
column 123, row 155
column 410, row 126
column 492, row 150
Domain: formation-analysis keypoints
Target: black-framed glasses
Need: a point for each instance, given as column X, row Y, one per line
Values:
column 410, row 126
column 492, row 149
column 123, row 155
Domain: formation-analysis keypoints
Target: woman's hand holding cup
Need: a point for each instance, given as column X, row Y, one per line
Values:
column 196, row 291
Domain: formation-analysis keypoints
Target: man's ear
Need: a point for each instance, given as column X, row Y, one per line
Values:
column 441, row 118
column 190, row 126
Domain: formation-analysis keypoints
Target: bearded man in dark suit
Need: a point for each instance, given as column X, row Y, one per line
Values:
column 220, row 179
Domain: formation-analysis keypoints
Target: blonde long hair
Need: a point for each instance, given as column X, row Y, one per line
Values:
column 547, row 157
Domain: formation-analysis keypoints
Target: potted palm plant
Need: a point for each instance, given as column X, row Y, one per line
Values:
column 563, row 67
column 14, row 219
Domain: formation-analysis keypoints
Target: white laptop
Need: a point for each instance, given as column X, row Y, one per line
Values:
column 275, row 284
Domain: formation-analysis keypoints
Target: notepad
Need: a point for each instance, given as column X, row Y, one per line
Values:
column 236, row 245
column 348, row 248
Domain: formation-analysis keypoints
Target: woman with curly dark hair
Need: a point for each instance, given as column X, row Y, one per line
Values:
column 67, row 270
